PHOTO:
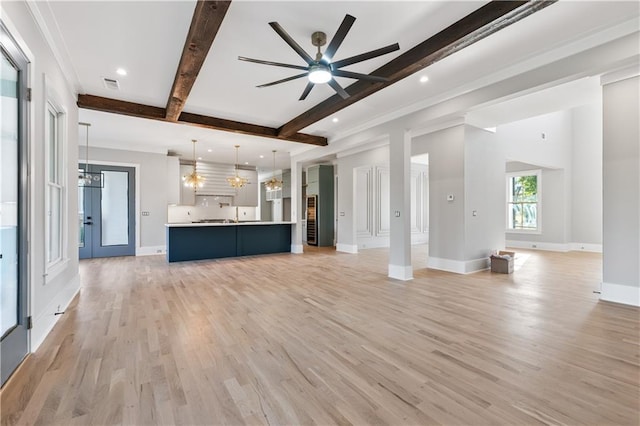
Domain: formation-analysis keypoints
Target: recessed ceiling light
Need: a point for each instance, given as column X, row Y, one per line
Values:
column 335, row 119
column 199, row 158
column 121, row 71
column 424, row 79
column 246, row 163
column 209, row 150
column 262, row 156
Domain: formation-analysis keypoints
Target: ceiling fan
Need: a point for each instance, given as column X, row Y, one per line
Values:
column 322, row 69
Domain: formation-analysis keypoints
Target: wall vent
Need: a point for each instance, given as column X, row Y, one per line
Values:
column 110, row 83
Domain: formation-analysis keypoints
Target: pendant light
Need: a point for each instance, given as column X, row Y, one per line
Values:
column 193, row 180
column 273, row 184
column 237, row 181
column 86, row 179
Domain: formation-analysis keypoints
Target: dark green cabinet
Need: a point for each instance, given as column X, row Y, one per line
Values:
column 320, row 193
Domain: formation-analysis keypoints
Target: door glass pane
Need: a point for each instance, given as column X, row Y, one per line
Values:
column 9, row 196
column 115, row 208
column 81, row 216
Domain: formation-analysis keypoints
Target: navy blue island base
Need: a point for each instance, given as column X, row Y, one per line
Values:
column 214, row 241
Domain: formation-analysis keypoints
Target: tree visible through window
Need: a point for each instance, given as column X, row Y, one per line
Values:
column 523, row 201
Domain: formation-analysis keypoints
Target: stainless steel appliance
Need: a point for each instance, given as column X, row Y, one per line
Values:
column 312, row 222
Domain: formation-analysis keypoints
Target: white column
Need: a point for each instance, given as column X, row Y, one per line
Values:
column 400, row 201
column 296, row 214
column 621, row 188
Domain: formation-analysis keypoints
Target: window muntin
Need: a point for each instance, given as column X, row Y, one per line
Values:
column 55, row 187
column 523, row 201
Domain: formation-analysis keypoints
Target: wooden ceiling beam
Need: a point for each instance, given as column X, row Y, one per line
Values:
column 206, row 21
column 479, row 24
column 131, row 109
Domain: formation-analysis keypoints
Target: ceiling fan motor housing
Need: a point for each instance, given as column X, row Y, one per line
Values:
column 318, row 38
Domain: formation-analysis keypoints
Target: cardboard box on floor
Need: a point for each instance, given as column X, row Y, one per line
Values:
column 502, row 262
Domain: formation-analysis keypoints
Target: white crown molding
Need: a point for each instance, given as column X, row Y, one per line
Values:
column 124, row 146
column 41, row 12
column 579, row 45
column 623, row 74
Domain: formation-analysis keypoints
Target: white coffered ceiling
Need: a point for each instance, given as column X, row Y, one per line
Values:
column 146, row 38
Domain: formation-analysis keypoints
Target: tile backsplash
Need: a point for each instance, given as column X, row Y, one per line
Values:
column 209, row 210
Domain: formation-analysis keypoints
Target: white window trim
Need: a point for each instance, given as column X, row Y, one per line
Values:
column 538, row 230
column 57, row 266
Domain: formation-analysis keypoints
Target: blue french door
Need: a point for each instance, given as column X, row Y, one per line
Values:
column 13, row 211
column 106, row 213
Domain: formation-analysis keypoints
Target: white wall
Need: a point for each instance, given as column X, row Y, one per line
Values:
column 446, row 150
column 621, row 185
column 363, row 197
column 484, row 194
column 56, row 288
column 567, row 147
column 586, row 223
column 347, row 238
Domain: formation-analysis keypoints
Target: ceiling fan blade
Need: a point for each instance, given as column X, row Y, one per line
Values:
column 275, row 64
column 291, row 42
column 284, row 80
column 339, row 90
column 306, row 91
column 364, row 56
column 338, row 38
column 357, row 75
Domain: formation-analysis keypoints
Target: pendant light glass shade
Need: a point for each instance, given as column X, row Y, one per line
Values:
column 193, row 180
column 85, row 178
column 237, row 181
column 273, row 184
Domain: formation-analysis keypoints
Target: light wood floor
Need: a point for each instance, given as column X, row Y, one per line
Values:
column 326, row 338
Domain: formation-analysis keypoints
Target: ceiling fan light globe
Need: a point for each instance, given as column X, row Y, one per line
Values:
column 319, row 74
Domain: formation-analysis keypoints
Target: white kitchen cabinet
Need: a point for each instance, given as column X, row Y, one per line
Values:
column 174, row 180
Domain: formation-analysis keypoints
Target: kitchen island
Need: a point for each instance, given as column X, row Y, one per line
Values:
column 197, row 241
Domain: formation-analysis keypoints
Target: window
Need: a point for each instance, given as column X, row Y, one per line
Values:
column 523, row 201
column 55, row 185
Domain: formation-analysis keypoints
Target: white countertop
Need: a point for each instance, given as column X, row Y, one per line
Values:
column 199, row 224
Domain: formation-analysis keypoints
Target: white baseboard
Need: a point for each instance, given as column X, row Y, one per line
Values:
column 297, row 248
column 347, row 248
column 535, row 245
column 595, row 248
column 618, row 293
column 401, row 272
column 373, row 243
column 563, row 247
column 44, row 321
column 150, row 250
column 476, row 265
column 458, row 266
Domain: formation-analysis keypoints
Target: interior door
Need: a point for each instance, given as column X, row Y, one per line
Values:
column 13, row 211
column 106, row 213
